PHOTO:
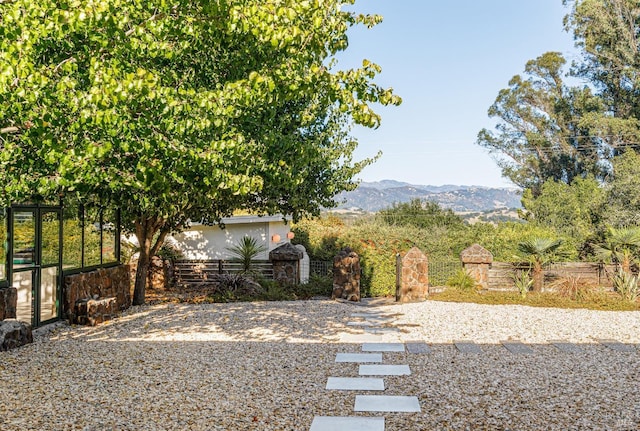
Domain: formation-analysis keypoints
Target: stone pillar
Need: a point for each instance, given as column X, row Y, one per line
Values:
column 8, row 303
column 286, row 263
column 412, row 278
column 477, row 260
column 346, row 275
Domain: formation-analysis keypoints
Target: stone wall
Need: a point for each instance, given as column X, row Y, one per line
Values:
column 412, row 277
column 8, row 303
column 98, row 285
column 477, row 262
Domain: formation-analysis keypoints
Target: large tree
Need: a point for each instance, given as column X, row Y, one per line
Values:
column 539, row 135
column 178, row 110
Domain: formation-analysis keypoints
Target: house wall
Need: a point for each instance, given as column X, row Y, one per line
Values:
column 210, row 242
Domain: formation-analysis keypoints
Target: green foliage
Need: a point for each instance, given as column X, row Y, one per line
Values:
column 626, row 285
column 622, row 205
column 245, row 251
column 182, row 110
column 539, row 251
column 571, row 209
column 462, row 281
column 523, row 282
column 621, row 246
column 421, row 214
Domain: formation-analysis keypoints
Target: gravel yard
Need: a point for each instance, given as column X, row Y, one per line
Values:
column 264, row 366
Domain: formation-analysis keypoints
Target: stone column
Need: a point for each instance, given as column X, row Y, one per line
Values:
column 286, row 262
column 8, row 303
column 477, row 260
column 412, row 279
column 346, row 275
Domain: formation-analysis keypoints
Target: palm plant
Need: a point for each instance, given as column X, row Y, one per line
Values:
column 539, row 251
column 620, row 247
column 245, row 251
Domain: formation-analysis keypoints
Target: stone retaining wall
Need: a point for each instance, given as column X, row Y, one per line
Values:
column 109, row 288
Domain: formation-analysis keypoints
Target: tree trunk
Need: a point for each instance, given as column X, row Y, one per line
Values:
column 538, row 277
column 146, row 229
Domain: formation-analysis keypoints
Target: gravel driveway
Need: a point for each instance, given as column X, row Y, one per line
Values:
column 264, row 366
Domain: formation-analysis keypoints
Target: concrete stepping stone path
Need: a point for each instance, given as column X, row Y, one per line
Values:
column 355, row 384
column 517, row 347
column 383, row 347
column 384, row 370
column 359, row 357
column 467, row 347
column 417, row 347
column 617, row 346
column 386, row 403
column 328, row 423
column 565, row 346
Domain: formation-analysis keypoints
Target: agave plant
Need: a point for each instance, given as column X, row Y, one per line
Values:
column 245, row 251
column 539, row 251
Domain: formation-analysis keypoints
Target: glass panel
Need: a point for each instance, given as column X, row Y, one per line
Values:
column 72, row 236
column 109, row 220
column 24, row 239
column 3, row 244
column 50, row 238
column 23, row 281
column 92, row 251
column 48, row 296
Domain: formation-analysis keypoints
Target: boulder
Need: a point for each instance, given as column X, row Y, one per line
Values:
column 14, row 334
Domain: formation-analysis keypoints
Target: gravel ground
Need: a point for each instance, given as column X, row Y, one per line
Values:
column 263, row 366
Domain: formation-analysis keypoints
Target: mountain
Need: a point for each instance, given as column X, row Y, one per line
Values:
column 378, row 195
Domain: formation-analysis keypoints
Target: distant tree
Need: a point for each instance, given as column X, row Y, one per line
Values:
column 419, row 213
column 540, row 136
column 181, row 110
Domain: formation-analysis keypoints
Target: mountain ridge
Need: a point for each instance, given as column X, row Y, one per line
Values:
column 377, row 195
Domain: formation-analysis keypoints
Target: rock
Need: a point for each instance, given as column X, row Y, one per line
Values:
column 14, row 334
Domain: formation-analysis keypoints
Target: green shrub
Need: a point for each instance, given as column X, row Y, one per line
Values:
column 462, row 281
column 626, row 285
column 523, row 282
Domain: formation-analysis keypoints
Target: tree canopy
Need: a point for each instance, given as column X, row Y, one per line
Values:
column 548, row 130
column 181, row 109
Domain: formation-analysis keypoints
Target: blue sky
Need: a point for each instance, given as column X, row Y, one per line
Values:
column 447, row 59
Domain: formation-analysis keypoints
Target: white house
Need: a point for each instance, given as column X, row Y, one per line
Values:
column 203, row 242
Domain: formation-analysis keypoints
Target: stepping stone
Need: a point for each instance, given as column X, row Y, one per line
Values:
column 383, row 347
column 386, row 403
column 565, row 346
column 361, row 338
column 417, row 347
column 355, row 384
column 467, row 347
column 618, row 346
column 380, row 330
column 517, row 347
column 363, row 323
column 359, row 357
column 384, row 370
column 329, row 423
column 371, row 316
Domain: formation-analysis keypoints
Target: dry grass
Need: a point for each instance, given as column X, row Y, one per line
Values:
column 572, row 296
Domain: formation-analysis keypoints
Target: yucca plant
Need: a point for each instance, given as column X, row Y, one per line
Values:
column 245, row 251
column 523, row 282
